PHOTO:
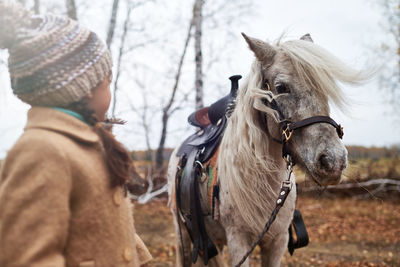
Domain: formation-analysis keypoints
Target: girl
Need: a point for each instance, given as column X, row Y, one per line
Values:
column 62, row 185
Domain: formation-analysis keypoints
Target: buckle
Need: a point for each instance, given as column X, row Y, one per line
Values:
column 199, row 164
column 268, row 87
column 286, row 134
column 287, row 184
column 340, row 131
column 289, row 162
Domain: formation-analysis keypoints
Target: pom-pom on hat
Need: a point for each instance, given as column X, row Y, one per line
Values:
column 53, row 61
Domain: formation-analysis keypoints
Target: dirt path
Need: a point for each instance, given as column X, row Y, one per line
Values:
column 343, row 232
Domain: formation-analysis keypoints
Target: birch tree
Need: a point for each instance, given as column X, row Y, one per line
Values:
column 198, row 21
column 390, row 52
column 71, row 9
column 113, row 22
column 36, row 7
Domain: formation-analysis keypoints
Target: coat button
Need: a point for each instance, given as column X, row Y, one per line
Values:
column 117, row 197
column 127, row 254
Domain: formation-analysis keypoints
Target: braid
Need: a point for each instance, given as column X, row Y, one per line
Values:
column 118, row 158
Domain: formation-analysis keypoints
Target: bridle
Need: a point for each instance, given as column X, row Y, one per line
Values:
column 288, row 127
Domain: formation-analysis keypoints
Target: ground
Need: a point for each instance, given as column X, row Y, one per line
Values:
column 343, row 232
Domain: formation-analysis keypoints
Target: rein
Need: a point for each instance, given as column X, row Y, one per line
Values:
column 288, row 128
column 283, row 193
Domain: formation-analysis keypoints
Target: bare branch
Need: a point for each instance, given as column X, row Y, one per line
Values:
column 179, row 70
column 150, row 195
column 120, row 55
column 139, row 45
column 357, row 185
column 184, row 100
column 360, row 189
column 167, row 107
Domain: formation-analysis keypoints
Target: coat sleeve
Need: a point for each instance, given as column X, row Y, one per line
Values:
column 142, row 251
column 34, row 205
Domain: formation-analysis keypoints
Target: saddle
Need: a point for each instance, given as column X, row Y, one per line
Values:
column 194, row 152
column 212, row 114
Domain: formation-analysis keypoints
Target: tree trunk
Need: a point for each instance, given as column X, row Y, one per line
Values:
column 198, row 21
column 120, row 54
column 167, row 109
column 71, row 9
column 113, row 20
column 36, row 7
column 160, row 150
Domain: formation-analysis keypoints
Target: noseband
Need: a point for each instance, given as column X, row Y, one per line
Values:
column 288, row 127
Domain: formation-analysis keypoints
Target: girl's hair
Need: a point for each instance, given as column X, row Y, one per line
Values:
column 118, row 158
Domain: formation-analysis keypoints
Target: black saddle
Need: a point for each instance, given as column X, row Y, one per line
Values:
column 196, row 150
column 212, row 114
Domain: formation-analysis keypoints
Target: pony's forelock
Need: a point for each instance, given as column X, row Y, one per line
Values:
column 321, row 70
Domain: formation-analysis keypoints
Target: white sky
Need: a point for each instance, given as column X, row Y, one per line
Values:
column 347, row 28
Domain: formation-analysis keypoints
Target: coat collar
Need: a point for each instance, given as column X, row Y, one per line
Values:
column 58, row 121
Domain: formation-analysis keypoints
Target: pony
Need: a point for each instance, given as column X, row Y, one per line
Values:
column 302, row 79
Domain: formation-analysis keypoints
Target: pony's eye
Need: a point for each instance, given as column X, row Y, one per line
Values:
column 282, row 89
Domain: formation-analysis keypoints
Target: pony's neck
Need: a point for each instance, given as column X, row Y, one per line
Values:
column 275, row 152
column 251, row 171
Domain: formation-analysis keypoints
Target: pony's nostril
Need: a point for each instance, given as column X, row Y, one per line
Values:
column 325, row 162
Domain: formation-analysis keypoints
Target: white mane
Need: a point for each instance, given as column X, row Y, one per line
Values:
column 243, row 159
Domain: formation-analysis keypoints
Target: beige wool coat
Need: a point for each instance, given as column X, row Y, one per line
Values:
column 57, row 207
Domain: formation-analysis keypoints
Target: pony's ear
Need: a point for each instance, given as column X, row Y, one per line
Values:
column 307, row 37
column 263, row 51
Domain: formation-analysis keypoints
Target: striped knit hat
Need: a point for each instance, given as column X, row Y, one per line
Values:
column 53, row 61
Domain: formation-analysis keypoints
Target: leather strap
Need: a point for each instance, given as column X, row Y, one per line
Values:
column 189, row 206
column 289, row 127
column 316, row 119
column 301, row 233
column 283, row 193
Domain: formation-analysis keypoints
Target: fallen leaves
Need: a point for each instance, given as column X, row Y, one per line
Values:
column 343, row 232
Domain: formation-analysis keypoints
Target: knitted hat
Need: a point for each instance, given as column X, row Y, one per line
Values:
column 53, row 61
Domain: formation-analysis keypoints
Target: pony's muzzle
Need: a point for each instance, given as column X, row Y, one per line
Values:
column 330, row 166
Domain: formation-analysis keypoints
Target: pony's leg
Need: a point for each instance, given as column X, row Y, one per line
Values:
column 183, row 244
column 272, row 252
column 238, row 245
